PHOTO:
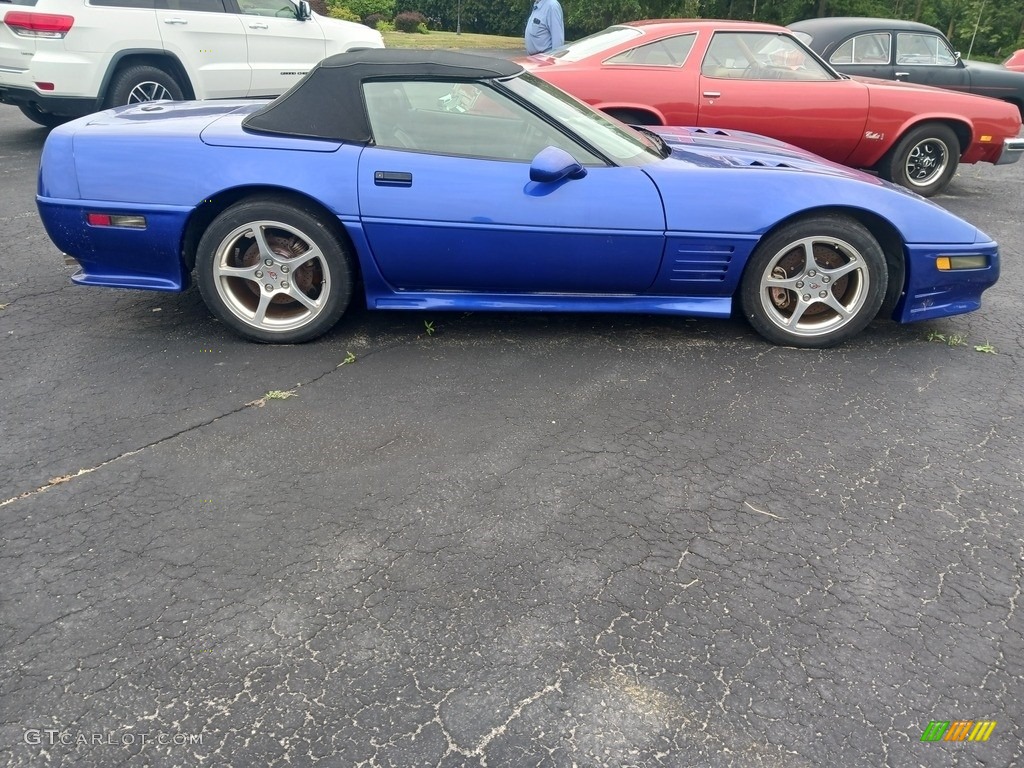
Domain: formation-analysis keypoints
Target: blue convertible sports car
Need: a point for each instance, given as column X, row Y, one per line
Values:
column 447, row 181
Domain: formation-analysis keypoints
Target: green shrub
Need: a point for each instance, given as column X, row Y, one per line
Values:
column 344, row 13
column 366, row 8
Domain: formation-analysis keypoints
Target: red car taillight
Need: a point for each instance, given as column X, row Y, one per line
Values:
column 47, row 25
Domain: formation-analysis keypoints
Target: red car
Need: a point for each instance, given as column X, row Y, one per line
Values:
column 1016, row 61
column 759, row 78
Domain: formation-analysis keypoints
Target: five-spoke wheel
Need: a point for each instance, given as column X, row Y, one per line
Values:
column 273, row 272
column 814, row 283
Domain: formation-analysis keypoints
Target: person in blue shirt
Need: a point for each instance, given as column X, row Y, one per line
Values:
column 545, row 29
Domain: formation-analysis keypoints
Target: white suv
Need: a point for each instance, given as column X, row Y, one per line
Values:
column 64, row 58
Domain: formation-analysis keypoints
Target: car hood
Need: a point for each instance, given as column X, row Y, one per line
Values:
column 995, row 72
column 780, row 181
column 896, row 87
column 354, row 34
column 719, row 148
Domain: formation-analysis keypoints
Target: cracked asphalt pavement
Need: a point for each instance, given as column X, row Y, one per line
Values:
column 522, row 540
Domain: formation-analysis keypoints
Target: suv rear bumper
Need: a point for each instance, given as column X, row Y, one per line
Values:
column 70, row 106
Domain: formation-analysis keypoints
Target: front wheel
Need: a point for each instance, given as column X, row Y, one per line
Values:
column 141, row 83
column 273, row 271
column 814, row 283
column 924, row 160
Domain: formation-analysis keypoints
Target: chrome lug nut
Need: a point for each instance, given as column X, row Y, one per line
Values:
column 269, row 287
column 807, row 297
column 259, row 273
column 269, row 262
column 823, row 294
column 284, row 283
column 799, row 283
column 284, row 268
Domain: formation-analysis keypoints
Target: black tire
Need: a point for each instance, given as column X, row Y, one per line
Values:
column 308, row 258
column 814, row 283
column 897, row 276
column 924, row 160
column 140, row 83
column 39, row 117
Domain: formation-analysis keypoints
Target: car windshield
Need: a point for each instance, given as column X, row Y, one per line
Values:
column 601, row 41
column 611, row 138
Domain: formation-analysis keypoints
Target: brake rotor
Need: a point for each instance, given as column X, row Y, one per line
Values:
column 308, row 277
column 792, row 264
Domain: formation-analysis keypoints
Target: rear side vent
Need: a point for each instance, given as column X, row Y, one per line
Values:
column 700, row 262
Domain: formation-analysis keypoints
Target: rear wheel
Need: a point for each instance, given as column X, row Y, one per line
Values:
column 38, row 116
column 139, row 83
column 924, row 160
column 273, row 271
column 814, row 283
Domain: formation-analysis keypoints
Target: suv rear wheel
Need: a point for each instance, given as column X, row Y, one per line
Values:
column 139, row 83
column 38, row 116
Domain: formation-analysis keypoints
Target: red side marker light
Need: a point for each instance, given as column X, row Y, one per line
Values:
column 115, row 220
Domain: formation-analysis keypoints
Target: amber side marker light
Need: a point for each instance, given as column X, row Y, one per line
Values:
column 950, row 263
column 115, row 220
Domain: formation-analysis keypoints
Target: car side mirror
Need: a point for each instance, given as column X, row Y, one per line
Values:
column 554, row 164
column 303, row 13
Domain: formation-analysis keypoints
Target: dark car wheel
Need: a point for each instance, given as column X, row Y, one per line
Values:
column 39, row 117
column 140, row 83
column 924, row 160
column 814, row 283
column 273, row 271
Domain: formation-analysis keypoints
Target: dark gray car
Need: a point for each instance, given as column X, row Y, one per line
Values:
column 892, row 49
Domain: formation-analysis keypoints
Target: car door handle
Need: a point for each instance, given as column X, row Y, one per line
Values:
column 392, row 178
column 901, row 74
column 712, row 95
column 259, row 25
column 175, row 20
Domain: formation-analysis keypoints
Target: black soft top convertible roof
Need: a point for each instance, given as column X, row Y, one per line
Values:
column 328, row 102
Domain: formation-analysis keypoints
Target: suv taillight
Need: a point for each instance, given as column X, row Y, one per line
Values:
column 47, row 25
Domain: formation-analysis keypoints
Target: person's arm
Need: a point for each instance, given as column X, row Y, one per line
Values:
column 556, row 26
